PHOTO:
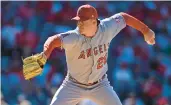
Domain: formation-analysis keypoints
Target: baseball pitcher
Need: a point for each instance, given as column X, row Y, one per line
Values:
column 86, row 49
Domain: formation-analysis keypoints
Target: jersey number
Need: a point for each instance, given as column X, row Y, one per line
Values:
column 101, row 62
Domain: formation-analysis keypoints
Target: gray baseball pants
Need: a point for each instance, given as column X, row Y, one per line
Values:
column 71, row 93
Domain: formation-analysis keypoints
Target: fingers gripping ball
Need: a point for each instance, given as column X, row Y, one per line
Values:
column 33, row 65
column 150, row 37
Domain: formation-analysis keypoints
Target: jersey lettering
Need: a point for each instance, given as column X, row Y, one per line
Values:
column 100, row 49
column 89, row 52
column 82, row 55
column 96, row 50
column 105, row 49
column 101, row 61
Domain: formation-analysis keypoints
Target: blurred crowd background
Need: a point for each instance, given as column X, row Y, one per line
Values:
column 139, row 73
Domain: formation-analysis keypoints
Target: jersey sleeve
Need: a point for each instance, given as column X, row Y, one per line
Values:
column 114, row 24
column 68, row 40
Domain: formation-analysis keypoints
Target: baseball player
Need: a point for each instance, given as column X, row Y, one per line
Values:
column 86, row 49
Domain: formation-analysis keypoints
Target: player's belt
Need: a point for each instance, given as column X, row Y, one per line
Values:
column 89, row 84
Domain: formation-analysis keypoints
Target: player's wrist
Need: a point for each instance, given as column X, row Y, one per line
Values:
column 150, row 37
column 43, row 58
column 145, row 30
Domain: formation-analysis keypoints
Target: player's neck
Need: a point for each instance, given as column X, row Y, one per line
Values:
column 93, row 33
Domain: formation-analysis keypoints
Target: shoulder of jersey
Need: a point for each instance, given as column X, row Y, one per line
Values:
column 103, row 24
column 115, row 16
column 69, row 33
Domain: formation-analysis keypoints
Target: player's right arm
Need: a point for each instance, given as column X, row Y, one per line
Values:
column 64, row 40
column 50, row 44
column 33, row 65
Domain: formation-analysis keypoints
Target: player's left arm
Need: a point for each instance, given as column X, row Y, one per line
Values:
column 149, row 35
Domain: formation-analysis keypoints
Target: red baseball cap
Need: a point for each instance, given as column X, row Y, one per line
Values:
column 86, row 12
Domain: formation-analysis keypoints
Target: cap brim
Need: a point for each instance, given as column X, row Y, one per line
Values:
column 76, row 18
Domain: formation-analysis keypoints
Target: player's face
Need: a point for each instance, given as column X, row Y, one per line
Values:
column 88, row 27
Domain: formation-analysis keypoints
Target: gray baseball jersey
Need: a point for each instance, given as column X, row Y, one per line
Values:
column 86, row 57
column 86, row 61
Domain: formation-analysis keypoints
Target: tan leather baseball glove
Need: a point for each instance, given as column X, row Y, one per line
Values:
column 33, row 65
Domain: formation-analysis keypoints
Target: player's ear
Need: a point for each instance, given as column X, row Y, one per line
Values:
column 94, row 21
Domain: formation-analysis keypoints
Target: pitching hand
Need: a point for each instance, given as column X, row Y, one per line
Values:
column 150, row 37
